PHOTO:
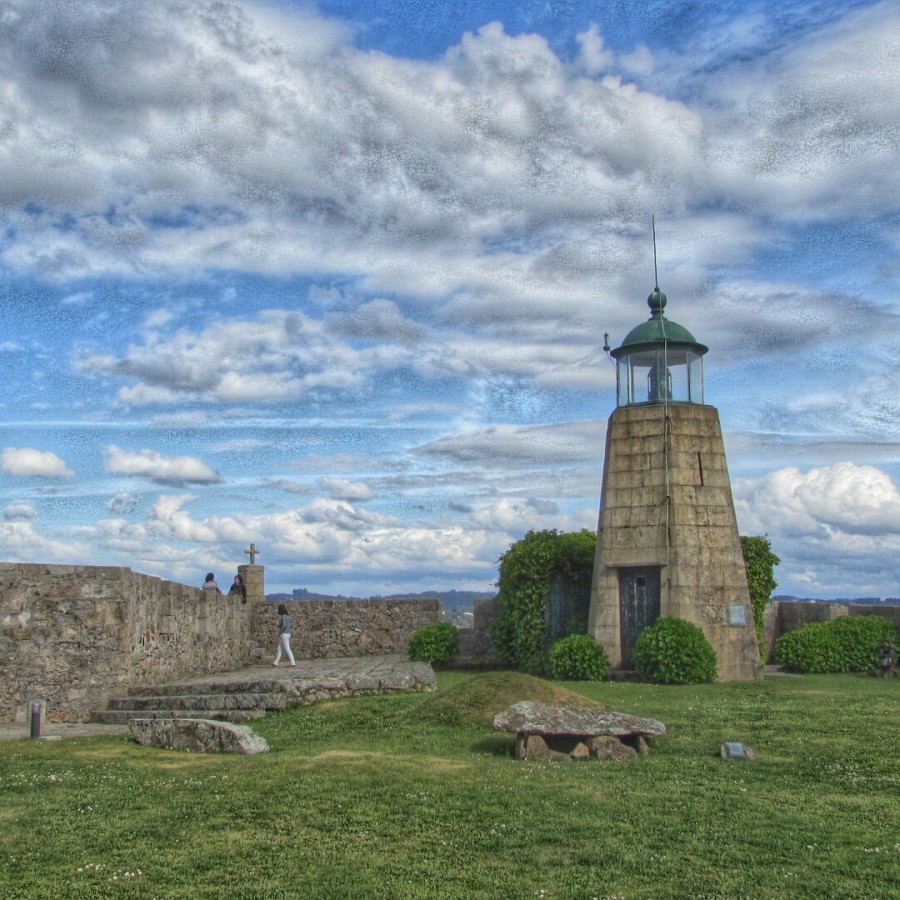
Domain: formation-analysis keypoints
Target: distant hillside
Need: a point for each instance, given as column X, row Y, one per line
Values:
column 451, row 601
column 846, row 601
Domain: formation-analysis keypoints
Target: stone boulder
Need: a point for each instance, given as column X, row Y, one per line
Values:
column 545, row 731
column 197, row 735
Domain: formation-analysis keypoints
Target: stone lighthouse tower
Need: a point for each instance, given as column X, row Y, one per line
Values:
column 668, row 542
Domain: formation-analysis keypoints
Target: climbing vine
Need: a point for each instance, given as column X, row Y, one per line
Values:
column 525, row 573
column 760, row 562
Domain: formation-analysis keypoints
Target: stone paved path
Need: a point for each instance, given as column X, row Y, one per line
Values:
column 386, row 669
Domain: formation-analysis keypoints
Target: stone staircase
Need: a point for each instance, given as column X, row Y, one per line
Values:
column 177, row 701
column 251, row 693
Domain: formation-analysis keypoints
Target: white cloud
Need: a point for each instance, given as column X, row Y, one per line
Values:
column 28, row 463
column 503, row 446
column 341, row 489
column 21, row 542
column 378, row 320
column 834, row 521
column 174, row 470
column 320, row 159
column 20, row 511
column 594, row 57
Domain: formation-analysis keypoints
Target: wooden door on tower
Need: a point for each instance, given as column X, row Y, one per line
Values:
column 638, row 606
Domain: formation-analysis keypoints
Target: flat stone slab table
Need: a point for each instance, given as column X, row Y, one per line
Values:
column 544, row 731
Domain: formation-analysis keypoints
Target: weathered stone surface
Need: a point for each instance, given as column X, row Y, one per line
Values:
column 533, row 746
column 606, row 746
column 582, row 751
column 332, row 629
column 544, row 718
column 198, row 735
column 547, row 732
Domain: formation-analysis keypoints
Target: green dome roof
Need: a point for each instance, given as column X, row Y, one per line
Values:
column 658, row 329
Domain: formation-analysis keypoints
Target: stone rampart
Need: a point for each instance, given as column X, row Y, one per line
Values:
column 75, row 635
column 329, row 629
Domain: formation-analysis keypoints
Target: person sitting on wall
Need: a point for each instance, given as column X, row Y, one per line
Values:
column 210, row 583
column 239, row 588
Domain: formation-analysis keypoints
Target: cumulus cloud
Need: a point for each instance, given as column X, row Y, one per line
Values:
column 378, row 320
column 29, row 463
column 20, row 512
column 244, row 145
column 171, row 470
column 821, row 520
column 20, row 541
column 341, row 489
column 327, row 537
column 280, row 355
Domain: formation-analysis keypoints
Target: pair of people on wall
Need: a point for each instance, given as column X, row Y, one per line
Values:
column 239, row 589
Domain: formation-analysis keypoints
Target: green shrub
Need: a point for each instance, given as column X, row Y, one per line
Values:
column 578, row 657
column 859, row 636
column 436, row 643
column 812, row 648
column 846, row 644
column 673, row 651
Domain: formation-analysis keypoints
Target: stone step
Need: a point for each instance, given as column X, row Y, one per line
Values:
column 211, row 686
column 201, row 701
column 124, row 716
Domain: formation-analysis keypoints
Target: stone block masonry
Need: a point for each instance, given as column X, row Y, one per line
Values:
column 331, row 629
column 74, row 635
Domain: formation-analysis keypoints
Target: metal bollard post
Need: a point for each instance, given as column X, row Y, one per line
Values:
column 37, row 718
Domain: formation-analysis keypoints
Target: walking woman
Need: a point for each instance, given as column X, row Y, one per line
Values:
column 284, row 637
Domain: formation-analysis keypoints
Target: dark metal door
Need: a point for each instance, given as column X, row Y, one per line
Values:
column 567, row 607
column 638, row 606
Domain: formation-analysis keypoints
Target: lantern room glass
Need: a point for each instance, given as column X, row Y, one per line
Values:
column 662, row 374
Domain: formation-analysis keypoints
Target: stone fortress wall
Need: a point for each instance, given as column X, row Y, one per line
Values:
column 73, row 636
column 332, row 629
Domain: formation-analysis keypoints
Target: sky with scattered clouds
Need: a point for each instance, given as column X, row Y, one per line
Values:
column 333, row 278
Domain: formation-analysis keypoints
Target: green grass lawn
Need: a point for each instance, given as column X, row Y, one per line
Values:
column 373, row 798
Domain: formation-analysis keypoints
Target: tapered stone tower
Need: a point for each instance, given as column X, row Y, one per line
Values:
column 667, row 541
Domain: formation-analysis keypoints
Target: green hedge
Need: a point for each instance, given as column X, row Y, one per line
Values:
column 436, row 643
column 846, row 644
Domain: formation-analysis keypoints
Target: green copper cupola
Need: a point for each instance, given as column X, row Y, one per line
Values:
column 659, row 361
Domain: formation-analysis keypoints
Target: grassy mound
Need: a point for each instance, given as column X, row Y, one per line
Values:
column 477, row 700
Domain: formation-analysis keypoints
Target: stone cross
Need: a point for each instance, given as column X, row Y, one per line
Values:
column 253, row 553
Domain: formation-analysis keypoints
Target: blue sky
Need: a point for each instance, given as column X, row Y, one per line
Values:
column 334, row 278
